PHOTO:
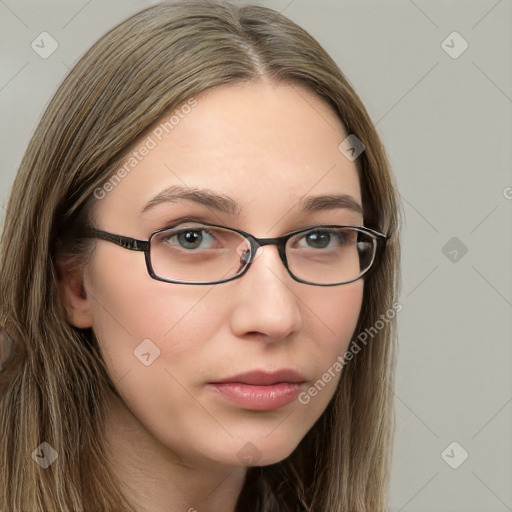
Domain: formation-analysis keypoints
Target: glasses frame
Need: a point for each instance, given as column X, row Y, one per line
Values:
column 280, row 242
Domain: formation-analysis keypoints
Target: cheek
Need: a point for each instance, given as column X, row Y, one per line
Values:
column 134, row 316
column 332, row 323
column 337, row 312
column 152, row 336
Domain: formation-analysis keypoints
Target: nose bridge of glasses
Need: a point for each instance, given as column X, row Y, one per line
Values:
column 257, row 245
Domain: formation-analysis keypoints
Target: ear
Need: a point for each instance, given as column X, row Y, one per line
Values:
column 73, row 294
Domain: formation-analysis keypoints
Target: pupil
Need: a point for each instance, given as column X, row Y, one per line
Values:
column 190, row 239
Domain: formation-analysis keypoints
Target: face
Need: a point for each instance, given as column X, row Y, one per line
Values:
column 266, row 148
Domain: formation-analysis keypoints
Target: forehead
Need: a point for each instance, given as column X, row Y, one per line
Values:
column 257, row 143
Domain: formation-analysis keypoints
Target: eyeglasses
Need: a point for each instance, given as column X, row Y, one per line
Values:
column 201, row 253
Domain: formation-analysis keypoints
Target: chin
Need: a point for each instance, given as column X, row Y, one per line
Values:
column 265, row 450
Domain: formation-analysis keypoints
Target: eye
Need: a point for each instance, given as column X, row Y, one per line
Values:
column 190, row 239
column 321, row 239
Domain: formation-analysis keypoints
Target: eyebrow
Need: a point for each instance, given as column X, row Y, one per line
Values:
column 226, row 204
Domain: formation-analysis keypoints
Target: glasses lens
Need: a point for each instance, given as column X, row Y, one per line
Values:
column 330, row 255
column 197, row 253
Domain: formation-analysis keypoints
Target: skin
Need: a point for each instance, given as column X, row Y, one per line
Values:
column 173, row 440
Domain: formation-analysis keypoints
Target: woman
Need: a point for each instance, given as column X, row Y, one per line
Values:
column 199, row 266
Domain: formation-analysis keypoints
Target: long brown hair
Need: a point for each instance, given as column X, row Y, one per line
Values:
column 54, row 390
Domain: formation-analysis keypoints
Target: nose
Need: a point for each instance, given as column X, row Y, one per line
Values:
column 266, row 301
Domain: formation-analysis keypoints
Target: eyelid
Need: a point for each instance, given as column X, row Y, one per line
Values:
column 200, row 220
column 186, row 219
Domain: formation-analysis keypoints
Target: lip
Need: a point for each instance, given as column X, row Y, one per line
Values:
column 264, row 377
column 260, row 390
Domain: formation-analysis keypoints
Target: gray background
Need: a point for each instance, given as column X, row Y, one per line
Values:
column 446, row 123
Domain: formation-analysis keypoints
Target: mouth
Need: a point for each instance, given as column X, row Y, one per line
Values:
column 260, row 390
